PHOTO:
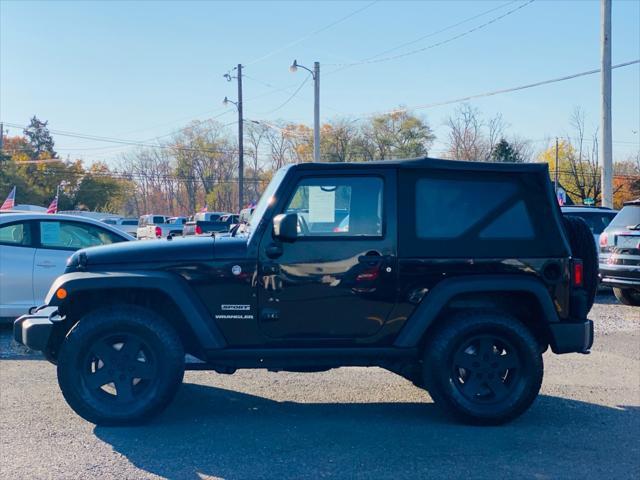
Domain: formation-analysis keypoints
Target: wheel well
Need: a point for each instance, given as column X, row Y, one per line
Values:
column 525, row 306
column 81, row 303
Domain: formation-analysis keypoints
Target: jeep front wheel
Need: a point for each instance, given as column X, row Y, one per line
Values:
column 120, row 365
column 485, row 368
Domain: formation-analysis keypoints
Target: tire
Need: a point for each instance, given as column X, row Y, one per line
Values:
column 627, row 296
column 120, row 365
column 504, row 367
column 583, row 247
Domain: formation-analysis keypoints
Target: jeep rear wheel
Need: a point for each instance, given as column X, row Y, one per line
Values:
column 627, row 296
column 120, row 365
column 485, row 368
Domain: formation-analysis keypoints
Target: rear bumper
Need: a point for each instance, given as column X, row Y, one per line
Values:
column 568, row 337
column 34, row 330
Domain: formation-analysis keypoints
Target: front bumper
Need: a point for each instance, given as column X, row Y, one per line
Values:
column 567, row 337
column 34, row 330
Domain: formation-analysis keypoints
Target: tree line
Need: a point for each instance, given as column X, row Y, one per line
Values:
column 198, row 164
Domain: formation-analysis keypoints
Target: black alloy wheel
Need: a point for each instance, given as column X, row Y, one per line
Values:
column 486, row 368
column 119, row 368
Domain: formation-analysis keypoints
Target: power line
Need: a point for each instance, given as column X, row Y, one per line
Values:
column 495, row 92
column 442, row 30
column 428, row 47
column 313, row 33
column 132, row 143
column 293, row 95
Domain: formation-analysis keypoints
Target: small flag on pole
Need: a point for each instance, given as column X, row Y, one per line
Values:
column 53, row 207
column 205, row 208
column 10, row 202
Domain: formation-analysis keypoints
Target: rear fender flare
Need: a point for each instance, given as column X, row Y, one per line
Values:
column 173, row 286
column 437, row 299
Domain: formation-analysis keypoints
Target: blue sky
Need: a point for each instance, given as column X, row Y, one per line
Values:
column 139, row 70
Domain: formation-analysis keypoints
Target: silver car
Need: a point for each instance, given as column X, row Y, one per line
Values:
column 34, row 248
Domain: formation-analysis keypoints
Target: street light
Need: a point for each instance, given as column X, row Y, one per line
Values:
column 315, row 73
column 238, row 105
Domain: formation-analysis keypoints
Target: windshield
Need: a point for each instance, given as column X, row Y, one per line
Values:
column 266, row 200
column 628, row 216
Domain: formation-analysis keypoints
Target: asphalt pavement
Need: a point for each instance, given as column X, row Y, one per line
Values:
column 345, row 423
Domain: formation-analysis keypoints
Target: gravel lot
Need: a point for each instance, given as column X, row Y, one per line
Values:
column 345, row 423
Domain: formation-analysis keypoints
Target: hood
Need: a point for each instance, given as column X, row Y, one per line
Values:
column 161, row 251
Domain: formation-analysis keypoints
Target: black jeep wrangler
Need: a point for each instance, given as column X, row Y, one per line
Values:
column 455, row 275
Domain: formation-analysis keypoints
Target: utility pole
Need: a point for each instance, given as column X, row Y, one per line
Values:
column 605, row 106
column 1, row 137
column 240, row 143
column 557, row 170
column 316, row 112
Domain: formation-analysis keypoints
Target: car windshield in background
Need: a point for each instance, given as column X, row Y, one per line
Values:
column 597, row 221
column 628, row 216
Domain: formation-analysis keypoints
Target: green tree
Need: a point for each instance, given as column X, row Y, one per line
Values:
column 504, row 152
column 99, row 190
column 40, row 139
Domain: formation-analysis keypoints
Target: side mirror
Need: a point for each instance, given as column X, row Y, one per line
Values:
column 285, row 227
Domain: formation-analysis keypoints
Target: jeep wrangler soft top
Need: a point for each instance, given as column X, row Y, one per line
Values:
column 455, row 275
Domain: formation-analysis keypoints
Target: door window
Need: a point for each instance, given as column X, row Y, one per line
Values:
column 340, row 206
column 74, row 235
column 16, row 234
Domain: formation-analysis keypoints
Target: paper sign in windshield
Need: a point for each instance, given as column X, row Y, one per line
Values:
column 322, row 204
column 50, row 233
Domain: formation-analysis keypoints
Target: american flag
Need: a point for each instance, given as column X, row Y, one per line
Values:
column 204, row 209
column 10, row 202
column 53, row 207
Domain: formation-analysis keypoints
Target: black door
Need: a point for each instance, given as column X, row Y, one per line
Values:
column 338, row 279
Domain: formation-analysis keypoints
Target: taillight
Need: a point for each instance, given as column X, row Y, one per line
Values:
column 578, row 273
column 198, row 230
column 158, row 232
column 604, row 240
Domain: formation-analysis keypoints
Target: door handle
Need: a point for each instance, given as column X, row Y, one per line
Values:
column 46, row 264
column 372, row 258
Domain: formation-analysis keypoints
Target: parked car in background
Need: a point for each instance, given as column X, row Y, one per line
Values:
column 159, row 226
column 128, row 225
column 34, row 248
column 207, row 222
column 620, row 254
column 596, row 217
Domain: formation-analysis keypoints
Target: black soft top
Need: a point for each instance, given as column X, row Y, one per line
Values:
column 431, row 163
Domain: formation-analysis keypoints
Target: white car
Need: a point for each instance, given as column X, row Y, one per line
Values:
column 159, row 226
column 129, row 225
column 34, row 248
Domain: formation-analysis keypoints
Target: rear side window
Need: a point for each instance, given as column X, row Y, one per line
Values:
column 16, row 234
column 129, row 222
column 157, row 220
column 451, row 214
column 468, row 205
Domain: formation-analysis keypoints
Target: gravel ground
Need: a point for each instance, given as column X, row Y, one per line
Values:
column 345, row 423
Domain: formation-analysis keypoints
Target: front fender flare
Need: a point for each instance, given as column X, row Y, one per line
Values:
column 438, row 298
column 172, row 285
